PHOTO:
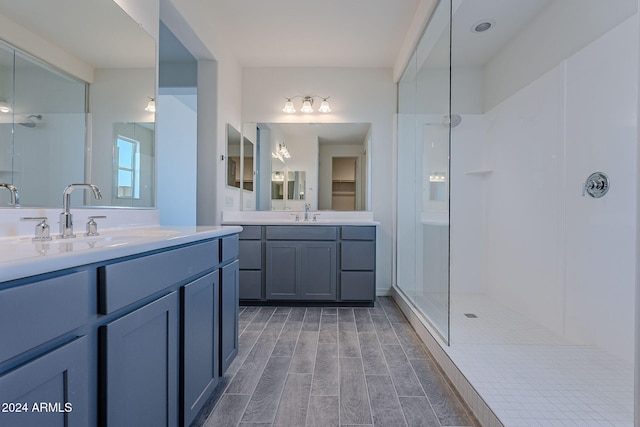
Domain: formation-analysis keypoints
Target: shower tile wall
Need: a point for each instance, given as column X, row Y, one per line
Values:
column 601, row 135
column 560, row 259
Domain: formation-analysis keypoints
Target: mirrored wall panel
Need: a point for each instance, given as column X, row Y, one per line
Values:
column 322, row 164
column 59, row 129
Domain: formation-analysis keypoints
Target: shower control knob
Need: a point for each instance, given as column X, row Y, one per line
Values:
column 596, row 185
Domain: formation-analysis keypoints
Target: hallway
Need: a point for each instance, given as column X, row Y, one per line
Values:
column 332, row 366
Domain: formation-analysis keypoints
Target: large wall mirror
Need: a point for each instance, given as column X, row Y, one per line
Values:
column 234, row 149
column 323, row 164
column 61, row 130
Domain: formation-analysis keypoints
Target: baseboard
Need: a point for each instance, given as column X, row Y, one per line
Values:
column 434, row 344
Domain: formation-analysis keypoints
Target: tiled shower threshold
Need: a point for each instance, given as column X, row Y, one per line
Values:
column 524, row 375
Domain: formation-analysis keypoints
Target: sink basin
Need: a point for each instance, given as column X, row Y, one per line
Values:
column 142, row 233
column 104, row 238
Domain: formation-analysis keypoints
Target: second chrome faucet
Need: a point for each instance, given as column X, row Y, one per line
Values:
column 66, row 218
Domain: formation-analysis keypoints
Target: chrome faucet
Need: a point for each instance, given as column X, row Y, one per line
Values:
column 15, row 196
column 66, row 218
column 307, row 206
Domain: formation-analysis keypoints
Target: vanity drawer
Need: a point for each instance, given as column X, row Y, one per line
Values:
column 126, row 282
column 58, row 304
column 251, row 232
column 358, row 233
column 357, row 286
column 229, row 248
column 301, row 232
column 358, row 255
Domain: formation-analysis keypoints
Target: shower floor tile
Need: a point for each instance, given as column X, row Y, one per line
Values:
column 530, row 376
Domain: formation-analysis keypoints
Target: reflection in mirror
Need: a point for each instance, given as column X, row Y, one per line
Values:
column 436, row 163
column 133, row 166
column 294, row 181
column 311, row 148
column 247, row 164
column 296, row 185
column 277, row 185
column 50, row 146
column 233, row 157
column 42, row 129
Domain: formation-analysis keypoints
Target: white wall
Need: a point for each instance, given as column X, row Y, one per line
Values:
column 601, row 128
column 469, row 173
column 219, row 102
column 524, row 235
column 177, row 158
column 360, row 95
column 547, row 41
column 564, row 260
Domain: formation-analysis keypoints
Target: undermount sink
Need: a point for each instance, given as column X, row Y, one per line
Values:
column 104, row 236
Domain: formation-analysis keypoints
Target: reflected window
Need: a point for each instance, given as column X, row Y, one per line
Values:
column 128, row 173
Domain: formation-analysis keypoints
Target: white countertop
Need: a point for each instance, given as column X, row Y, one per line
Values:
column 268, row 221
column 20, row 257
column 357, row 218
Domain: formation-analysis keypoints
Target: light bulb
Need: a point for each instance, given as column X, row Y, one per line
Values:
column 306, row 106
column 324, row 106
column 5, row 107
column 288, row 107
column 151, row 106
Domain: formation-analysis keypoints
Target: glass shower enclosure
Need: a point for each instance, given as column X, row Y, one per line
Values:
column 509, row 115
column 424, row 124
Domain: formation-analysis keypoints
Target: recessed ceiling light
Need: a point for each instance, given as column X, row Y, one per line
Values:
column 482, row 26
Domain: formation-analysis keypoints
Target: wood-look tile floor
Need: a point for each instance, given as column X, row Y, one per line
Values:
column 317, row 366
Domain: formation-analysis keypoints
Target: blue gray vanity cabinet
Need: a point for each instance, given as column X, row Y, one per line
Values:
column 251, row 263
column 229, row 301
column 308, row 263
column 135, row 340
column 357, row 263
column 140, row 386
column 62, row 299
column 200, row 307
column 301, row 263
column 59, row 379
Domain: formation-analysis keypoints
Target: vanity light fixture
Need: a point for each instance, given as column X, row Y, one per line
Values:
column 151, row 105
column 5, row 107
column 281, row 153
column 307, row 104
column 282, row 149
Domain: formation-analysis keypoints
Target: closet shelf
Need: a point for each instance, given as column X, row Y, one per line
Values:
column 479, row 172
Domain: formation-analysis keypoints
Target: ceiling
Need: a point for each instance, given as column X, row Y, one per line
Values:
column 97, row 31
column 283, row 33
column 304, row 33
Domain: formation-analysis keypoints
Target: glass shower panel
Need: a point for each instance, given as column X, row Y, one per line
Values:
column 406, row 250
column 49, row 132
column 423, row 174
column 6, row 120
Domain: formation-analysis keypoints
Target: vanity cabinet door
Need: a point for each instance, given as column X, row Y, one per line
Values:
column 301, row 270
column 229, row 302
column 282, row 278
column 200, row 307
column 318, row 271
column 139, row 374
column 59, row 379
